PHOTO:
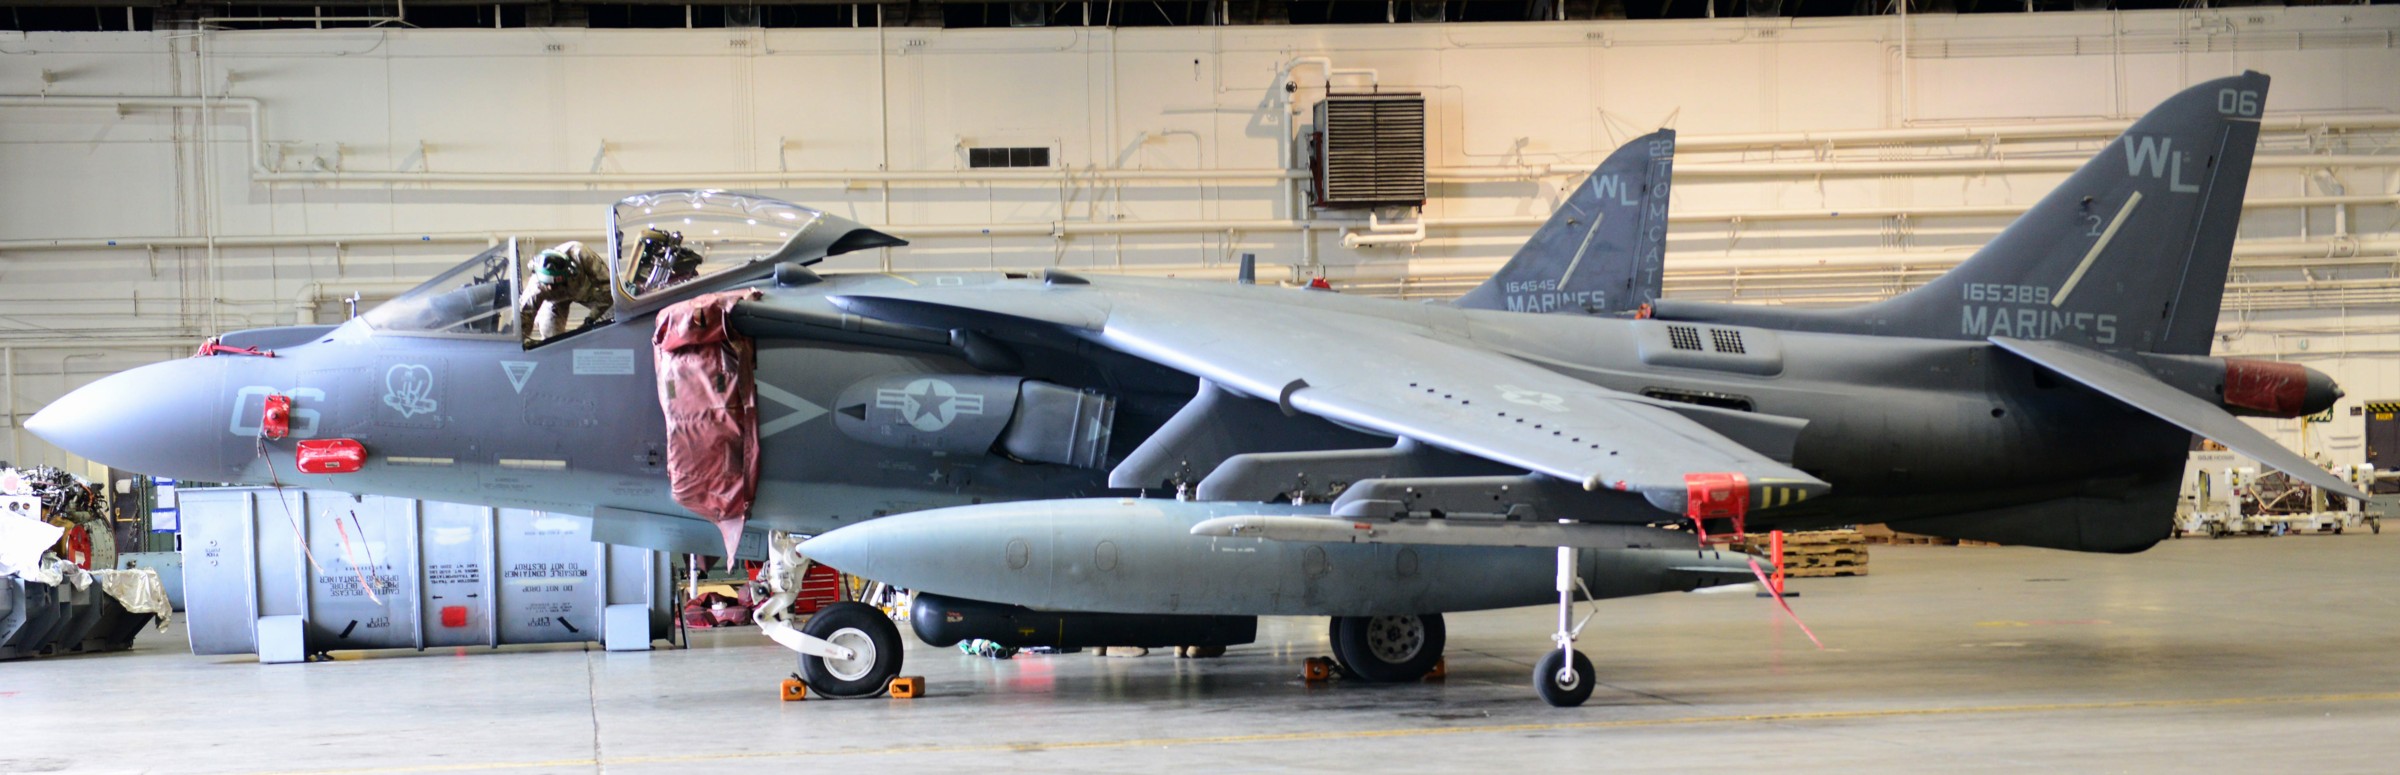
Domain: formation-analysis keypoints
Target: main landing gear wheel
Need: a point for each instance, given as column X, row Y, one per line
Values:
column 871, row 638
column 1388, row 649
column 1560, row 683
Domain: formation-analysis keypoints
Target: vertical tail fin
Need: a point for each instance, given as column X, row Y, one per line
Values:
column 2130, row 253
column 1604, row 250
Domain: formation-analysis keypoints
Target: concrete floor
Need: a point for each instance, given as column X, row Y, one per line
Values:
column 2242, row 654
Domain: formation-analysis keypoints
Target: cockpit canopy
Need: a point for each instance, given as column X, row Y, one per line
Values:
column 474, row 297
column 656, row 241
column 665, row 238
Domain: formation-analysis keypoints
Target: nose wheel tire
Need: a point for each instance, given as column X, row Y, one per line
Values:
column 872, row 639
column 1561, row 684
column 1389, row 648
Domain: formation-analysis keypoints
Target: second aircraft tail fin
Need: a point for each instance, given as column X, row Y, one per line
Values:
column 1603, row 251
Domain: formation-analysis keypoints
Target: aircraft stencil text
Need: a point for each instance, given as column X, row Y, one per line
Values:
column 2155, row 157
column 1981, row 320
column 250, row 404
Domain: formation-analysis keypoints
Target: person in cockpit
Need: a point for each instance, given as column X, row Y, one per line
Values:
column 566, row 274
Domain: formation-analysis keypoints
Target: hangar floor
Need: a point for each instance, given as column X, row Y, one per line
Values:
column 2245, row 654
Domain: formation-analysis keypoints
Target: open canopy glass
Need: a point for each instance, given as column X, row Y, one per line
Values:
column 666, row 238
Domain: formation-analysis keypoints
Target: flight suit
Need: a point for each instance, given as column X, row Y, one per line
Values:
column 542, row 311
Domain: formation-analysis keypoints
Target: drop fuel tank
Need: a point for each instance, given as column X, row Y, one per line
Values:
column 944, row 621
column 1139, row 556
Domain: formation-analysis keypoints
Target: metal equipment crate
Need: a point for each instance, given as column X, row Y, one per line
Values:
column 379, row 572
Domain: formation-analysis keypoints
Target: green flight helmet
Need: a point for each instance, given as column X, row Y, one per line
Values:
column 552, row 262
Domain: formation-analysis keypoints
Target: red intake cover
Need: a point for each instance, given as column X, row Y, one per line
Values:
column 2278, row 389
column 331, row 456
column 1716, row 496
column 276, row 421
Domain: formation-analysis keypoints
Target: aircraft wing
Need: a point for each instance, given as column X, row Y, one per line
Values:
column 1383, row 375
column 2139, row 390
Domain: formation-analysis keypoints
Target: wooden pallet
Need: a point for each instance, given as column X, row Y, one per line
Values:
column 1791, row 561
column 1909, row 539
column 1879, row 534
column 1822, row 538
column 1813, row 540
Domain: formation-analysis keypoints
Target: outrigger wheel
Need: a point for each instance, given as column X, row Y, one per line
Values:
column 869, row 635
column 1563, row 677
column 1388, row 649
column 1561, row 684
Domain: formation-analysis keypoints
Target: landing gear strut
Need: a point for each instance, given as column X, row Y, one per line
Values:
column 846, row 649
column 1388, row 649
column 1564, row 677
column 869, row 638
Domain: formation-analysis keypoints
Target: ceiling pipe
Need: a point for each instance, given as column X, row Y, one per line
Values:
column 2023, row 131
column 399, row 16
column 1380, row 233
column 1069, row 228
column 1862, row 168
column 261, row 173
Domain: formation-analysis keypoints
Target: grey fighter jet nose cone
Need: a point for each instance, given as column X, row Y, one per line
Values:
column 154, row 420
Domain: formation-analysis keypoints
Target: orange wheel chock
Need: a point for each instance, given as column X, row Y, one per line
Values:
column 908, row 687
column 1441, row 670
column 794, row 690
column 1316, row 669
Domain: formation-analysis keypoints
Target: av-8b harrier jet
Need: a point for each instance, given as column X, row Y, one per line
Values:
column 1270, row 451
column 437, row 394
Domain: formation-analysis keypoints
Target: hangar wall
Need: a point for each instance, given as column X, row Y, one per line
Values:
column 277, row 172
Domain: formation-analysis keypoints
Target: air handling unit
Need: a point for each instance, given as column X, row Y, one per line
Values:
column 1368, row 150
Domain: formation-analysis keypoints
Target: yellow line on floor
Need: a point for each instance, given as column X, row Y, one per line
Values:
column 1285, row 737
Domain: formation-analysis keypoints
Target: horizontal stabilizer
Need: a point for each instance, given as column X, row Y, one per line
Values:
column 2139, row 390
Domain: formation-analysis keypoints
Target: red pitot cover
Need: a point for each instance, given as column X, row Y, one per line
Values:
column 711, row 401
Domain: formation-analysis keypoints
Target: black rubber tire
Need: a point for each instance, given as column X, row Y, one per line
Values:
column 857, row 626
column 1546, row 684
column 1377, row 648
column 1333, row 638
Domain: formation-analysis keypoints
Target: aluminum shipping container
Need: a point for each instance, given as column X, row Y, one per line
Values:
column 288, row 573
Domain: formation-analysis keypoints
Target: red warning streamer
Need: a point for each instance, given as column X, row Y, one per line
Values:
column 1785, row 604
